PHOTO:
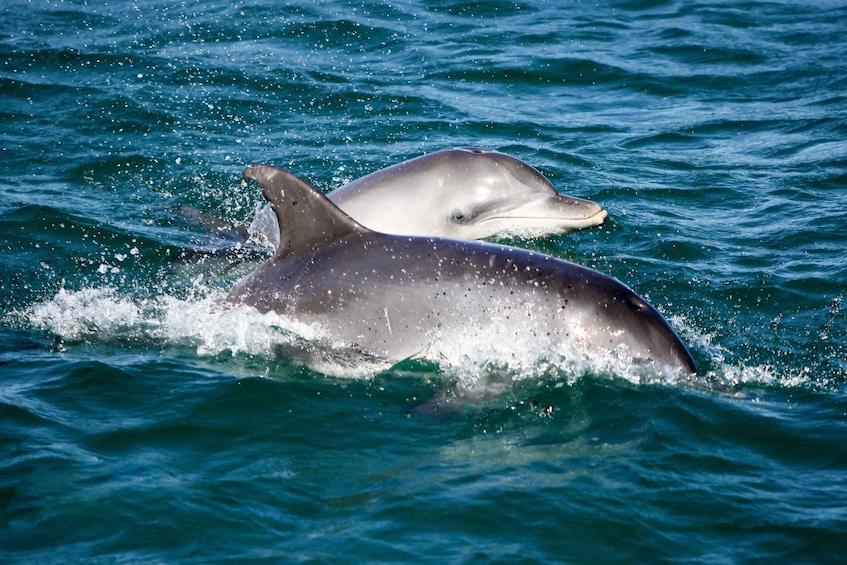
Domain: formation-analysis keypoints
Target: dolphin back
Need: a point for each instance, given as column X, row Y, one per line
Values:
column 308, row 220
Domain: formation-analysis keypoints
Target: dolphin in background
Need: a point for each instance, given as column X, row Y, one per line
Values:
column 400, row 297
column 462, row 193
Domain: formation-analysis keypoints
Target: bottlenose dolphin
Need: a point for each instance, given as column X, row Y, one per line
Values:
column 399, row 297
column 463, row 193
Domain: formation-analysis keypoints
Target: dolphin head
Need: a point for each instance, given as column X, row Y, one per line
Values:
column 619, row 320
column 501, row 195
column 464, row 193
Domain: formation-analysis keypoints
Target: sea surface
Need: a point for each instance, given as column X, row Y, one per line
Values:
column 141, row 422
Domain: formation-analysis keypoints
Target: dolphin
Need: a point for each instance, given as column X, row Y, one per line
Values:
column 463, row 193
column 401, row 297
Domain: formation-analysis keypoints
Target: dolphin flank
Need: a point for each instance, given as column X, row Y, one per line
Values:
column 399, row 297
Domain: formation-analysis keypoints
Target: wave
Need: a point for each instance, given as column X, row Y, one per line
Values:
column 475, row 364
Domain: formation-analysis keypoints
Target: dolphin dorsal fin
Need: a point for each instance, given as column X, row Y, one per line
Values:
column 307, row 219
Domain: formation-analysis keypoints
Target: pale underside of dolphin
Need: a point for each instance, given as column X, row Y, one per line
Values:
column 399, row 297
column 462, row 193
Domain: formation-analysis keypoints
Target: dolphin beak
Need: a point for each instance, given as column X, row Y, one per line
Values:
column 565, row 213
column 579, row 210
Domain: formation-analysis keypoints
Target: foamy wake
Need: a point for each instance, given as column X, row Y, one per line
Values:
column 103, row 315
column 203, row 323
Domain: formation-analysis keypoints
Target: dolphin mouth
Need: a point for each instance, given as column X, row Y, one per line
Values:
column 557, row 210
column 598, row 218
column 573, row 222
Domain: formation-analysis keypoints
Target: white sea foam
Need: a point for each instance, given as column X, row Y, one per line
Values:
column 202, row 322
column 479, row 359
column 263, row 228
column 474, row 360
column 104, row 314
column 87, row 313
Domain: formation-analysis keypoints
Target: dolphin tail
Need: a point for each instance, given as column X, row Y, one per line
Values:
column 308, row 220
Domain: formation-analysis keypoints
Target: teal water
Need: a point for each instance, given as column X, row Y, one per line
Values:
column 138, row 423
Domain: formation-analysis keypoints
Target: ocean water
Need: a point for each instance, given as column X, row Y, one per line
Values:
column 140, row 422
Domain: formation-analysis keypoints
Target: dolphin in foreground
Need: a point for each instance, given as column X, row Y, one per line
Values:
column 400, row 297
column 463, row 193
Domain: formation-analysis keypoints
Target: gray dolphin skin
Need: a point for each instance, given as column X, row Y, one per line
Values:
column 463, row 193
column 401, row 297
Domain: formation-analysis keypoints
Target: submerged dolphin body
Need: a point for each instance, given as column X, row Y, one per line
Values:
column 463, row 193
column 400, row 297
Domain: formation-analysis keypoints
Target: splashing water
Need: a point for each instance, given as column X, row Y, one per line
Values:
column 202, row 321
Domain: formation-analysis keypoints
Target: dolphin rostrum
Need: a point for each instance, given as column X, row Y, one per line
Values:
column 399, row 297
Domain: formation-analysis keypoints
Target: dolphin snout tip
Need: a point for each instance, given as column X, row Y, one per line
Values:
column 596, row 216
column 685, row 362
column 691, row 366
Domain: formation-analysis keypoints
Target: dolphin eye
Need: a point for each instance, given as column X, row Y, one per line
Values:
column 459, row 216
